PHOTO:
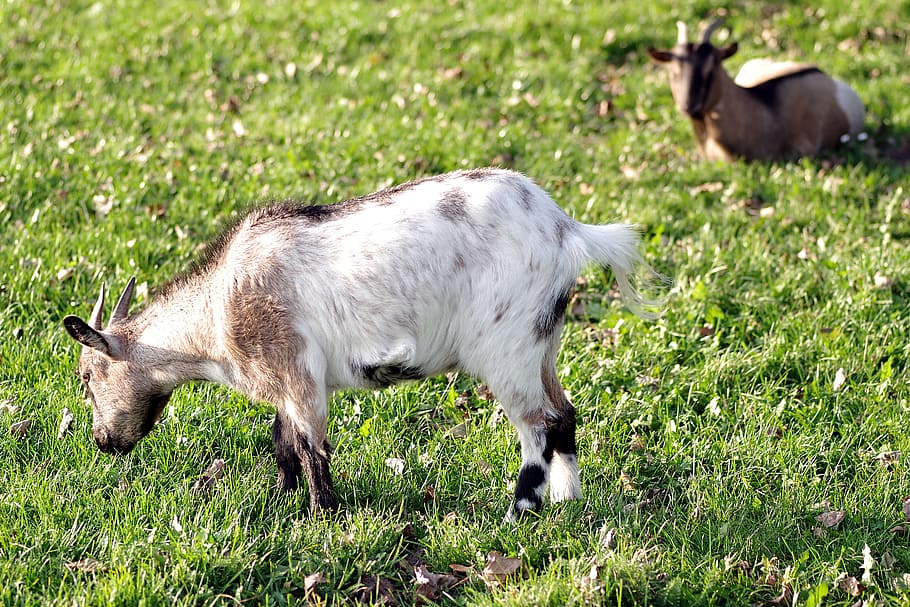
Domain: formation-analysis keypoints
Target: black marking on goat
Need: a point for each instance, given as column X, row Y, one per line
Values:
column 285, row 440
column 319, row 478
column 386, row 375
column 452, row 205
column 767, row 92
column 561, row 435
column 529, row 479
column 551, row 315
column 560, row 232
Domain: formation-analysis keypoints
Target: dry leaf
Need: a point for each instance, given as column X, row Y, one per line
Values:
column 66, row 420
column 8, row 405
column 459, row 430
column 86, row 565
column 462, row 569
column 484, row 392
column 785, row 598
column 609, row 539
column 906, row 509
column 839, row 379
column 311, row 581
column 375, row 591
column 882, row 281
column 868, row 564
column 902, row 583
column 499, row 568
column 20, row 429
column 851, row 586
column 832, row 518
column 211, row 475
column 709, row 187
column 430, row 584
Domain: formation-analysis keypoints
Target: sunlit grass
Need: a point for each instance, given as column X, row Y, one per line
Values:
column 710, row 439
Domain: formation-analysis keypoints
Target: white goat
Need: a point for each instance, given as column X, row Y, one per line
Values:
column 773, row 110
column 470, row 270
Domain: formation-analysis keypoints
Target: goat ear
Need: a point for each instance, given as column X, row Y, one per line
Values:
column 97, row 311
column 86, row 335
column 728, row 51
column 123, row 304
column 660, row 56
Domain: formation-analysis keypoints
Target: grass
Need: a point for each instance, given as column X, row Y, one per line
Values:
column 711, row 438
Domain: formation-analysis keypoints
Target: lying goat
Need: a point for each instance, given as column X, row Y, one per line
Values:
column 773, row 110
column 470, row 270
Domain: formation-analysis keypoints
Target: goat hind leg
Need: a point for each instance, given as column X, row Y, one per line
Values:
column 296, row 454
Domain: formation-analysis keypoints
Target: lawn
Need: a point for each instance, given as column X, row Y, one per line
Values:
column 752, row 446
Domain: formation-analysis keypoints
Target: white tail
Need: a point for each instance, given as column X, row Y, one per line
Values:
column 616, row 245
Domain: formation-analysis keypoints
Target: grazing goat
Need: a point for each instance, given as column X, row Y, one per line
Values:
column 471, row 270
column 773, row 110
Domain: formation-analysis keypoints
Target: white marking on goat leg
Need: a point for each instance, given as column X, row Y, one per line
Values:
column 564, row 481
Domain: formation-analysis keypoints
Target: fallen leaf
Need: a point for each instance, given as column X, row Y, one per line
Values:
column 499, row 568
column 290, row 69
column 64, row 273
column 86, row 565
column 430, row 584
column 785, row 597
column 902, row 583
column 832, row 518
column 868, row 564
column 888, row 458
column 311, row 581
column 608, row 541
column 459, row 430
column 851, row 586
column 211, row 475
column 66, row 420
column 374, row 590
column 8, row 405
column 462, row 569
column 396, row 464
column 839, row 379
column 819, row 532
column 102, row 204
column 881, row 281
column 899, row 529
column 906, row 509
column 709, row 187
column 484, row 392
column 20, row 429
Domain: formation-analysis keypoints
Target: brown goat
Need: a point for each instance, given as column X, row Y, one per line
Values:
column 773, row 110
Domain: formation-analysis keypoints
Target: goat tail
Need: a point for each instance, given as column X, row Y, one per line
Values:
column 617, row 245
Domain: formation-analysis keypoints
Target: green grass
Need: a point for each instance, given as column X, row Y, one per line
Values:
column 710, row 439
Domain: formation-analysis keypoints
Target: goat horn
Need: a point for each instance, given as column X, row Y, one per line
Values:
column 682, row 33
column 123, row 304
column 706, row 35
column 95, row 320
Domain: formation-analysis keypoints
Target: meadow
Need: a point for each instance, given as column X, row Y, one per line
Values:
column 749, row 447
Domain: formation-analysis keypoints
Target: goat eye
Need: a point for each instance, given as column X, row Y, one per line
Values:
column 86, row 376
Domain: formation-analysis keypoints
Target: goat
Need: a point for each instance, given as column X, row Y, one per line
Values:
column 470, row 270
column 773, row 110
